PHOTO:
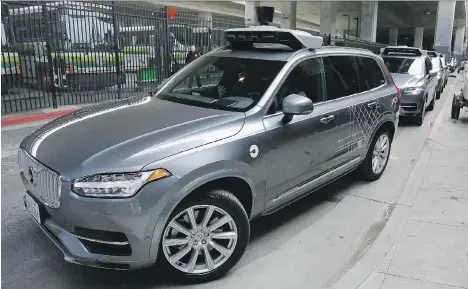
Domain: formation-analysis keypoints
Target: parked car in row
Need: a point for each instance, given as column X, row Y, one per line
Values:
column 415, row 76
column 178, row 175
column 438, row 62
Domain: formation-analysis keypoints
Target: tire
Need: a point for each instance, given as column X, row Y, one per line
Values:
column 365, row 170
column 419, row 118
column 438, row 93
column 431, row 105
column 455, row 114
column 224, row 204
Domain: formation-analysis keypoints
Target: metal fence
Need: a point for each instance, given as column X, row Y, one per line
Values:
column 64, row 53
column 69, row 52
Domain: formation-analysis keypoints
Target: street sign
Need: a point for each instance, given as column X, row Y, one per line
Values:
column 171, row 13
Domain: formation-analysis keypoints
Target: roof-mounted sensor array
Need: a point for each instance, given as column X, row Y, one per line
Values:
column 240, row 38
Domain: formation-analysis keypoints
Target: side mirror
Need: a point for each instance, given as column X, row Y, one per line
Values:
column 433, row 72
column 295, row 104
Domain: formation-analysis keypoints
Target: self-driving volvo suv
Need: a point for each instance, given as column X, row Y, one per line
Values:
column 177, row 175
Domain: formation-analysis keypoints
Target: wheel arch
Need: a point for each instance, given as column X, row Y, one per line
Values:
column 237, row 181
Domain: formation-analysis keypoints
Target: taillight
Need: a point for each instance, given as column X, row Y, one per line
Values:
column 398, row 90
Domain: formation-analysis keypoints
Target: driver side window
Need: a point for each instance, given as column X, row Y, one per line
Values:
column 305, row 79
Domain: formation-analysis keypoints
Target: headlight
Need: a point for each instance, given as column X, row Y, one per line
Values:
column 413, row 90
column 115, row 185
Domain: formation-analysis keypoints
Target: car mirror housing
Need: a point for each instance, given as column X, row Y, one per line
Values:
column 295, row 104
column 433, row 72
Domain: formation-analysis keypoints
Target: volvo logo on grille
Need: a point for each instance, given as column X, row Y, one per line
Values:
column 33, row 173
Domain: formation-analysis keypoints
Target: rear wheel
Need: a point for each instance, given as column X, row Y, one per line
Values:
column 438, row 94
column 205, row 237
column 377, row 157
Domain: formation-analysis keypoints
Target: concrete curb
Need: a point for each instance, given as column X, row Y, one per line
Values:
column 381, row 251
column 35, row 117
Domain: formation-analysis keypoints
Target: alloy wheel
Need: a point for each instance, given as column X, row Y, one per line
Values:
column 380, row 154
column 199, row 239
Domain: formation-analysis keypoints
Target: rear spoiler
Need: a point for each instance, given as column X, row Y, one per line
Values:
column 403, row 51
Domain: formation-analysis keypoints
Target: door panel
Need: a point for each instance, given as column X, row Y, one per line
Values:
column 300, row 147
column 299, row 150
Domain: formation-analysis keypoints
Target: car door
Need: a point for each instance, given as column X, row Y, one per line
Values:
column 355, row 108
column 299, row 147
column 431, row 80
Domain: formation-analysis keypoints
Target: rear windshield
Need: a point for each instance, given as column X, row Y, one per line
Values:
column 413, row 66
column 226, row 83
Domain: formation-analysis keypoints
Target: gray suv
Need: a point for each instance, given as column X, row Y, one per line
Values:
column 412, row 72
column 177, row 175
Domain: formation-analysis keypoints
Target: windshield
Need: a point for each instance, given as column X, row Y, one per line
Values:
column 226, row 83
column 411, row 66
column 435, row 63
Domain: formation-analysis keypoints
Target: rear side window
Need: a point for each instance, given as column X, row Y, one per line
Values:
column 341, row 73
column 428, row 63
column 371, row 75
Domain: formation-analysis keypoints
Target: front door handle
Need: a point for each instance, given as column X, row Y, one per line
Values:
column 327, row 119
column 373, row 104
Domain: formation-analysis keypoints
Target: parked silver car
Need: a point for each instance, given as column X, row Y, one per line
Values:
column 177, row 176
column 412, row 72
column 445, row 67
column 441, row 74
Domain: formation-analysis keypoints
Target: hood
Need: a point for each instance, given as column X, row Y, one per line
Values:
column 406, row 80
column 126, row 135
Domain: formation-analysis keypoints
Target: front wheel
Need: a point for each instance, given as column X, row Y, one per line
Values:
column 205, row 237
column 377, row 157
column 438, row 94
column 455, row 113
column 431, row 105
column 419, row 118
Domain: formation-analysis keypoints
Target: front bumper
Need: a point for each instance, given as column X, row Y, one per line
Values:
column 411, row 105
column 135, row 218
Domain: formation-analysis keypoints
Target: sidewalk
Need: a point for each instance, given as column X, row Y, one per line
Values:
column 430, row 220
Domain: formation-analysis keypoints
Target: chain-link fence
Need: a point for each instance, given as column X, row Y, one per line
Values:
column 63, row 53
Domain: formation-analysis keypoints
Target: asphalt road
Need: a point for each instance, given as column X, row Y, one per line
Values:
column 309, row 244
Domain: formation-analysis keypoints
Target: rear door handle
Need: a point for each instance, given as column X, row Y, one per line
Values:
column 373, row 104
column 327, row 119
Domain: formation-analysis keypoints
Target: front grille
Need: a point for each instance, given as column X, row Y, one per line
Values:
column 41, row 181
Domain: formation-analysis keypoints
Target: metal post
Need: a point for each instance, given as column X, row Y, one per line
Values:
column 166, row 49
column 116, row 50
column 50, row 64
column 349, row 23
column 357, row 27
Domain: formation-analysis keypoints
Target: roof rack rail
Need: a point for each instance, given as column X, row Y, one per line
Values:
column 402, row 51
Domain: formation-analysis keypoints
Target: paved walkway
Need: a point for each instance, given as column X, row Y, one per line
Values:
column 430, row 218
